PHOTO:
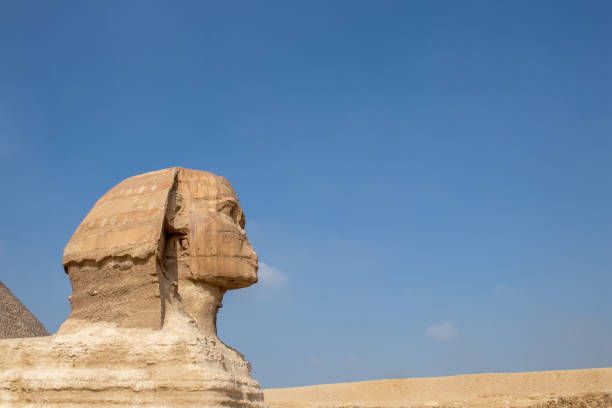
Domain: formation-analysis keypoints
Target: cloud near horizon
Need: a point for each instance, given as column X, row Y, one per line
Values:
column 444, row 331
column 315, row 361
column 270, row 277
column 270, row 284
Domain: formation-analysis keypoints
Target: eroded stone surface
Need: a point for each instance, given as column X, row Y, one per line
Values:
column 149, row 266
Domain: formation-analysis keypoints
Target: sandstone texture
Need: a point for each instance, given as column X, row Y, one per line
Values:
column 149, row 266
column 15, row 319
column 547, row 389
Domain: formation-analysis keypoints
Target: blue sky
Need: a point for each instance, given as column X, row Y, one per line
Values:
column 428, row 184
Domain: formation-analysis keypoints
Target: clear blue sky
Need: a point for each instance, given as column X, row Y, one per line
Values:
column 428, row 184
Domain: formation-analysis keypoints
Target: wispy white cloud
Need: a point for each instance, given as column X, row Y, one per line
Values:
column 504, row 290
column 444, row 331
column 272, row 283
column 315, row 361
column 508, row 291
column 270, row 277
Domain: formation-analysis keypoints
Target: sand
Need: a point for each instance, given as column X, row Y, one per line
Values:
column 590, row 388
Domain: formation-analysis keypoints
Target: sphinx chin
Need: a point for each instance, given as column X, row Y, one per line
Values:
column 146, row 292
column 234, row 273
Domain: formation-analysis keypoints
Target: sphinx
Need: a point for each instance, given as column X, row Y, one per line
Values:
column 149, row 266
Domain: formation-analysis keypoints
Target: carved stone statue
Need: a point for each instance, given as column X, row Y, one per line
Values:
column 160, row 246
column 149, row 266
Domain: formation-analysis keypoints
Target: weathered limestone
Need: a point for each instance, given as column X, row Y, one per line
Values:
column 149, row 266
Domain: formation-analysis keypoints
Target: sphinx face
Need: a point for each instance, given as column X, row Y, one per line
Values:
column 205, row 232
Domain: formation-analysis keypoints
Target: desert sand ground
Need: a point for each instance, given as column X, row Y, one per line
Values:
column 590, row 388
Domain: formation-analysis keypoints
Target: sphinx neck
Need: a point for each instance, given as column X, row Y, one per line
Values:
column 201, row 302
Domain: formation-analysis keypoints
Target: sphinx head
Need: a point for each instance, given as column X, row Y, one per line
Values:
column 157, row 248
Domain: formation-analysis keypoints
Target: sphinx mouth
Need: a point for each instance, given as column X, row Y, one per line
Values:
column 251, row 261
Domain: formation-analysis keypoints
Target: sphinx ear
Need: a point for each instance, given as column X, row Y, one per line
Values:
column 175, row 204
column 174, row 238
column 176, row 219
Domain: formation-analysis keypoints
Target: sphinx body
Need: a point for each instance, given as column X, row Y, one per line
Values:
column 149, row 266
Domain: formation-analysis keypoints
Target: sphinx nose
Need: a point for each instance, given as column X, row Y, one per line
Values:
column 252, row 254
column 247, row 250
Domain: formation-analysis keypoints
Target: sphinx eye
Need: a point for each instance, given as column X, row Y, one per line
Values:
column 233, row 211
column 229, row 209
